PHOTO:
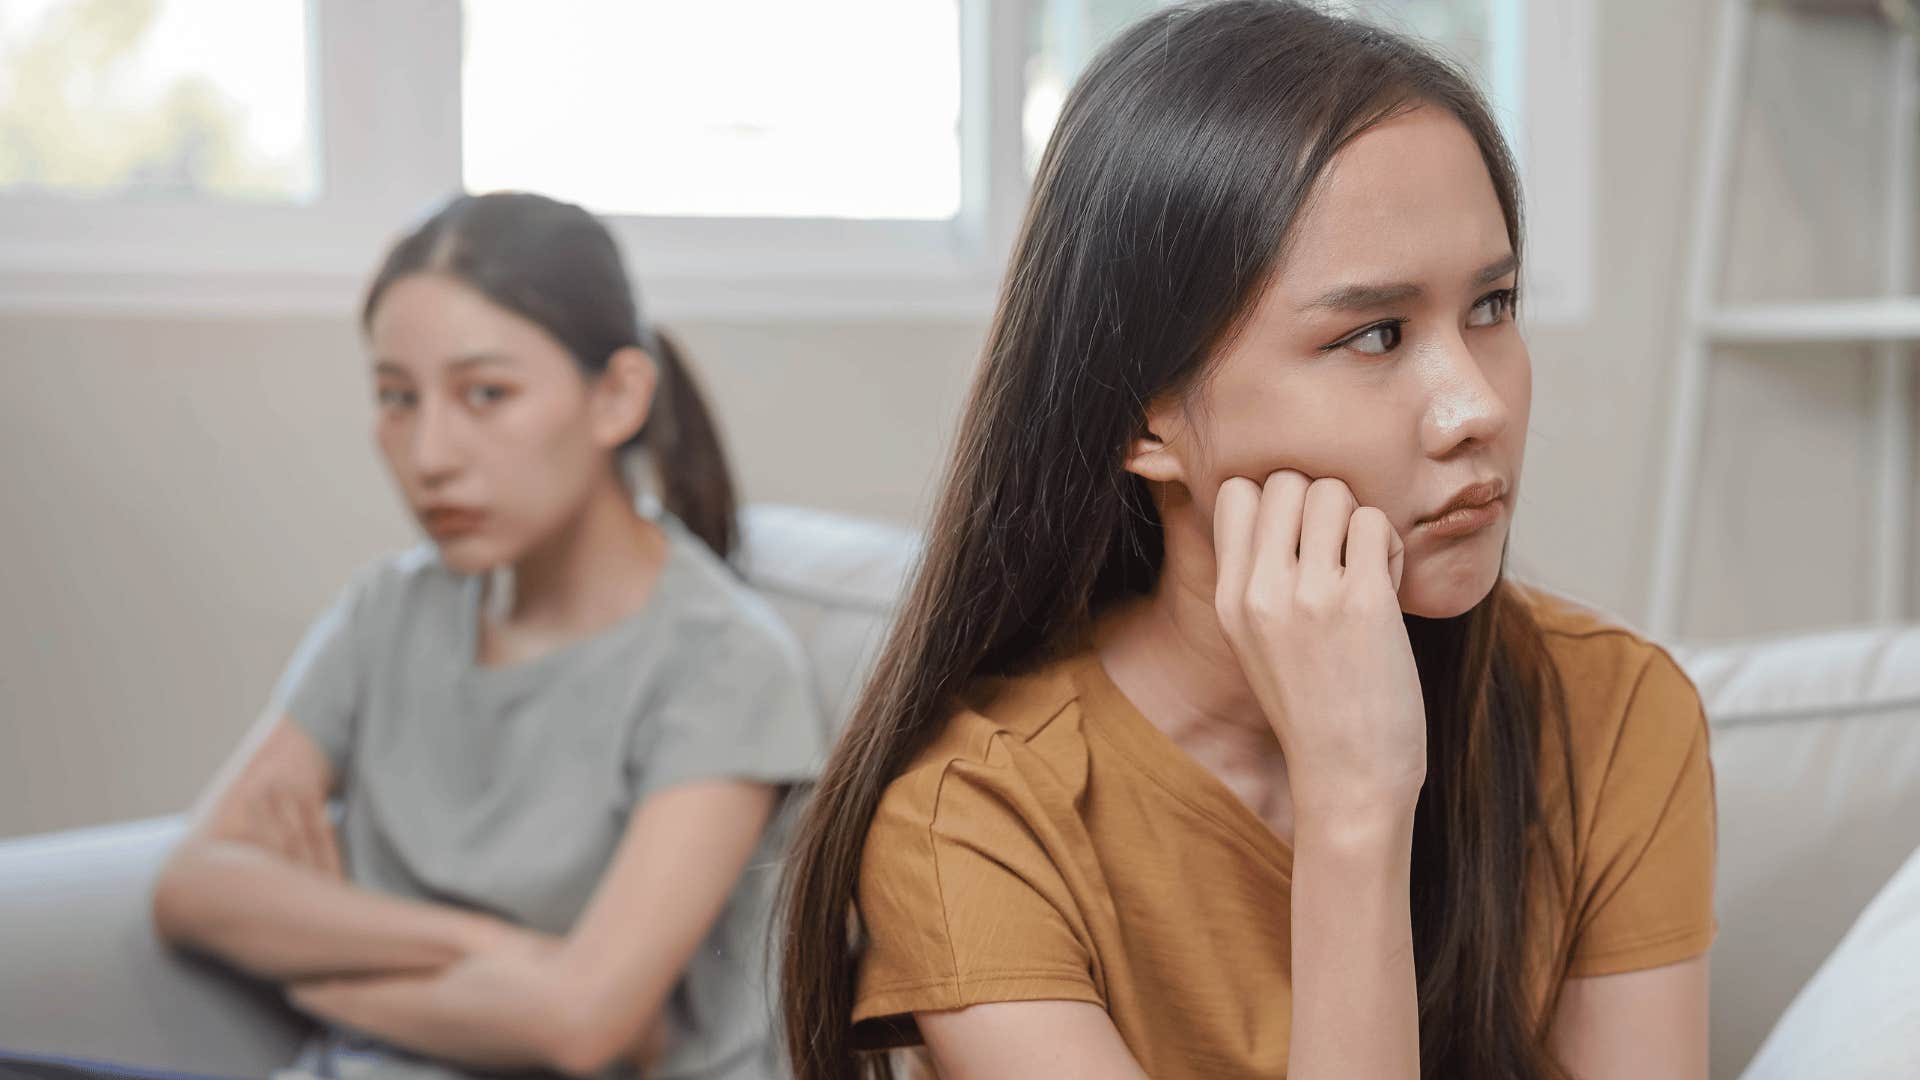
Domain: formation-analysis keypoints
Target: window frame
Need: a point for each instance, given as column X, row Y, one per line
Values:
column 387, row 99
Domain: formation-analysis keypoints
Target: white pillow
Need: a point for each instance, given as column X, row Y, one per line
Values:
column 1858, row 1018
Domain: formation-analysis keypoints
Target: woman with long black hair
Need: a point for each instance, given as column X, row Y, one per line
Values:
column 1212, row 739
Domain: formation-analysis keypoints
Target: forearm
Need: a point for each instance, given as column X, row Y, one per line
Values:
column 483, row 1024
column 278, row 920
column 1355, row 1002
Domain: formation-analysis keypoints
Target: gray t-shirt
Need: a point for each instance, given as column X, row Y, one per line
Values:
column 506, row 790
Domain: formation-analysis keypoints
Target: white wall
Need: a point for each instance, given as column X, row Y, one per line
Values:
column 181, row 496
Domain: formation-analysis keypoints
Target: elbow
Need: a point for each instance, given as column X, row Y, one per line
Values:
column 171, row 905
column 185, row 904
column 587, row 1040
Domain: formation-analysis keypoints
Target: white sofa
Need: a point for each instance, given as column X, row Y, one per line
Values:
column 1816, row 748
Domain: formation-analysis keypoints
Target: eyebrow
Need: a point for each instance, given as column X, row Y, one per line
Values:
column 1368, row 297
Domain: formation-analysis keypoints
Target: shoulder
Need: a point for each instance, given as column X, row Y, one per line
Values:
column 719, row 649
column 971, row 843
column 714, row 612
column 384, row 590
column 1633, row 713
column 973, row 882
column 1602, row 662
column 1011, row 748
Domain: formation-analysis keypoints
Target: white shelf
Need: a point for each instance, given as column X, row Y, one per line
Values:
column 1888, row 319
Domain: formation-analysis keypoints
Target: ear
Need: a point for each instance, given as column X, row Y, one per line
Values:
column 622, row 396
column 1155, row 453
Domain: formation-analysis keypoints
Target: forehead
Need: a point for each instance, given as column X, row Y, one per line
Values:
column 428, row 320
column 1410, row 199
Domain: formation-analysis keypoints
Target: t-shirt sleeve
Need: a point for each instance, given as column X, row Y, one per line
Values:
column 1648, row 871
column 961, row 903
column 743, row 707
column 322, row 685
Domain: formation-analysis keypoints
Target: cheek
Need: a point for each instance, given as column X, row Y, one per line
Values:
column 390, row 437
column 542, row 454
column 1360, row 434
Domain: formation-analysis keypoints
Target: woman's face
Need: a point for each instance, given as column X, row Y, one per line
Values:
column 1383, row 353
column 489, row 429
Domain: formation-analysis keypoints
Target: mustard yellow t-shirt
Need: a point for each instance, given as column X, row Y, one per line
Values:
column 1053, row 844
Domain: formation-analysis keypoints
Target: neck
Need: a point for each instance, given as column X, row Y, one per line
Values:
column 593, row 571
column 1168, row 654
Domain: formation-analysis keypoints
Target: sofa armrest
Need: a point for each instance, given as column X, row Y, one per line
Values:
column 82, row 974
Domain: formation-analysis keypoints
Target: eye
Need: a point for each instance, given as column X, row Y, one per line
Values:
column 1385, row 335
column 1499, row 303
column 481, row 395
column 394, row 397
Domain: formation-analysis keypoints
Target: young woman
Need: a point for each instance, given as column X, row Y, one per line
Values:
column 560, row 730
column 1212, row 740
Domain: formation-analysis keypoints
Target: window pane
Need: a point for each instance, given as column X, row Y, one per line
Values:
column 751, row 108
column 171, row 98
column 1067, row 33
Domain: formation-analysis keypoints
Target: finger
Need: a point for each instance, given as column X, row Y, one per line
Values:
column 269, row 827
column 1371, row 547
column 1396, row 555
column 320, row 835
column 1276, row 544
column 336, row 864
column 1323, row 526
column 1235, row 509
column 288, row 811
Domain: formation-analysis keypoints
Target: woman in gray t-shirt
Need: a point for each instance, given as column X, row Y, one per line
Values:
column 563, row 735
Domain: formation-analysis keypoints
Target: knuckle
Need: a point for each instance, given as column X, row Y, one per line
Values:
column 1231, row 606
column 1264, row 609
column 1368, row 599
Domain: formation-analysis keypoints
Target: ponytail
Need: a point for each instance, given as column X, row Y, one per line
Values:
column 690, row 465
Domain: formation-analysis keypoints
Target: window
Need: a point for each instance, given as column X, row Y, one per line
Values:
column 844, row 110
column 143, row 100
column 758, row 158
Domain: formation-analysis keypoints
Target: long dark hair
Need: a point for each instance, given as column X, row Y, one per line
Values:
column 556, row 265
column 1159, row 212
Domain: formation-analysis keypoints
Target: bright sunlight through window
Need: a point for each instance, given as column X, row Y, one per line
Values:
column 181, row 99
column 751, row 108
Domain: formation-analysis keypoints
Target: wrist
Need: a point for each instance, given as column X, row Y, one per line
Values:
column 475, row 933
column 1377, row 830
column 1367, row 806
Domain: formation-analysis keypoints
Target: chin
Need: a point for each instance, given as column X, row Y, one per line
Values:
column 1448, row 586
column 472, row 554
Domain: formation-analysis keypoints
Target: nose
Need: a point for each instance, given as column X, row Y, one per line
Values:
column 1463, row 409
column 438, row 445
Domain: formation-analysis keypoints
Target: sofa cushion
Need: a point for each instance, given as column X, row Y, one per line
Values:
column 1859, row 1017
column 835, row 580
column 1816, row 752
column 82, row 975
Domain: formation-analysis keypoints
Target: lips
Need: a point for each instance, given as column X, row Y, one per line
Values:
column 1471, row 509
column 445, row 522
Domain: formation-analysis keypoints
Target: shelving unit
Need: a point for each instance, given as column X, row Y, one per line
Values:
column 1890, row 322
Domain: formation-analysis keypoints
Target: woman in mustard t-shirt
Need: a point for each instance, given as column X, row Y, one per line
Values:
column 1212, row 740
